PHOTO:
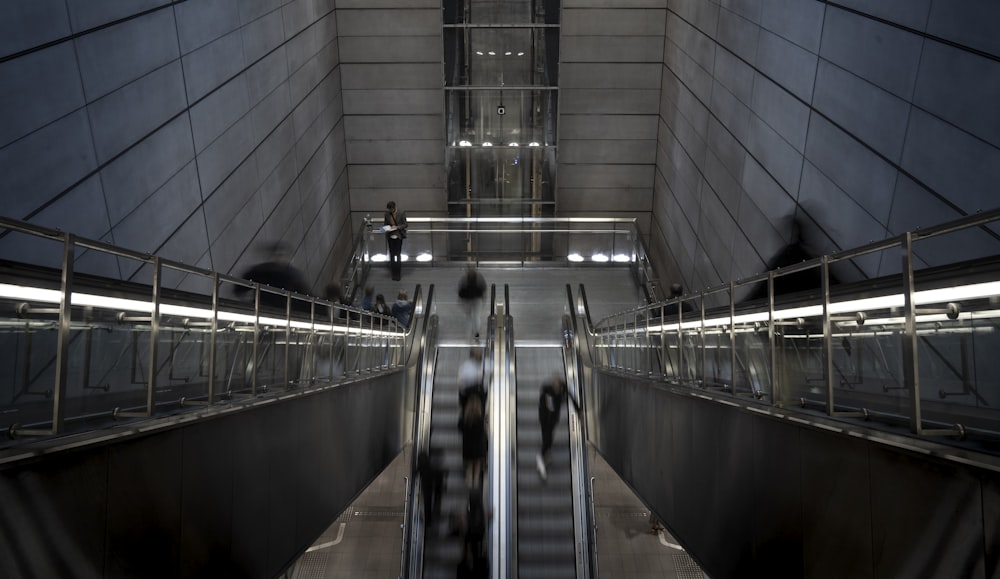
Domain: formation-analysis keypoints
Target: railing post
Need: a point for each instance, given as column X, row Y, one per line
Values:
column 827, row 336
column 214, row 334
column 681, row 366
column 62, row 348
column 911, row 368
column 732, row 333
column 776, row 383
column 288, row 335
column 154, row 337
column 704, row 345
column 256, row 340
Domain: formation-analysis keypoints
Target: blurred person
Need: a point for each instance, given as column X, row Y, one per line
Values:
column 402, row 309
column 550, row 401
column 335, row 294
column 471, row 288
column 278, row 272
column 394, row 225
column 676, row 291
column 471, row 379
column 472, row 425
column 474, row 564
column 380, row 307
column 368, row 301
column 433, row 481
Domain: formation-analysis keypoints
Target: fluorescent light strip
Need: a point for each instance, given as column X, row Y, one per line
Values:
column 16, row 292
column 921, row 298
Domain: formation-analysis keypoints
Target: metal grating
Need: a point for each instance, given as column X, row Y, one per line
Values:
column 628, row 514
column 686, row 568
column 312, row 565
column 378, row 514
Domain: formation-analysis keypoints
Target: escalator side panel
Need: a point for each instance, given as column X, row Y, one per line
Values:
column 241, row 493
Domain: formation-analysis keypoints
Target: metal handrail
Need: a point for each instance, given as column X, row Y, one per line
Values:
column 163, row 308
column 829, row 308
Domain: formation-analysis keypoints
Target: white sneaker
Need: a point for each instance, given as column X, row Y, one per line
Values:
column 540, row 463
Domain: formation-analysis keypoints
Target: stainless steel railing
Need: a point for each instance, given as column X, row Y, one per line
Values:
column 518, row 241
column 915, row 348
column 179, row 337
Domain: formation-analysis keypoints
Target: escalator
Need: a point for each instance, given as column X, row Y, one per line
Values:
column 545, row 531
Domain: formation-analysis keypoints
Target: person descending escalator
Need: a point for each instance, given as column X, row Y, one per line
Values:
column 474, row 563
column 550, row 400
column 472, row 425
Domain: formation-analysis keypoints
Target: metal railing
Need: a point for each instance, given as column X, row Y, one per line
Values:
column 85, row 348
column 516, row 241
column 915, row 349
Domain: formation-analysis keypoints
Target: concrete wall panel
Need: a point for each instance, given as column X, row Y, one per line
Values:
column 87, row 14
column 38, row 89
column 129, row 143
column 609, row 76
column 738, row 35
column 607, row 176
column 961, row 88
column 957, row 165
column 799, row 21
column 972, row 26
column 609, row 127
column 874, row 116
column 602, row 101
column 394, row 102
column 575, row 152
column 262, row 35
column 396, row 176
column 391, row 127
column 388, row 76
column 881, row 54
column 586, row 201
column 199, row 23
column 390, row 22
column 611, row 49
column 402, row 152
column 24, row 25
column 212, row 65
column 787, row 64
column 104, row 66
column 32, row 179
column 358, row 49
column 613, row 22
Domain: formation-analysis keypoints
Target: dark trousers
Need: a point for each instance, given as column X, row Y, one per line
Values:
column 395, row 262
column 548, row 426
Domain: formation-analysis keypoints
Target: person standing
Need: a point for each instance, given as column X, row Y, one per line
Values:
column 395, row 233
column 471, row 288
column 550, row 400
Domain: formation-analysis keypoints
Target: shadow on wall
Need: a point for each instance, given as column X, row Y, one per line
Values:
column 802, row 282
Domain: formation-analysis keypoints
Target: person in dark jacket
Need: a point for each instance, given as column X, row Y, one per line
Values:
column 472, row 425
column 394, row 225
column 550, row 401
column 471, row 288
column 381, row 307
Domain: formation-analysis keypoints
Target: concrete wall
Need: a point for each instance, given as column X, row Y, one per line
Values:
column 393, row 76
column 195, row 130
column 609, row 77
column 858, row 120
